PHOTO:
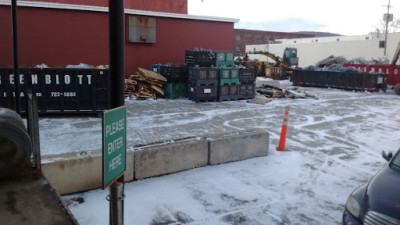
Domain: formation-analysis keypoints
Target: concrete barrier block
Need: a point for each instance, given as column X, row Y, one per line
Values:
column 76, row 172
column 166, row 158
column 238, row 146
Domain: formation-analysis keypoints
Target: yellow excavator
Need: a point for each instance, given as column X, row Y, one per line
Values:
column 281, row 69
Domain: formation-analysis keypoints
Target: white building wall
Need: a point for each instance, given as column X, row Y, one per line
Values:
column 312, row 50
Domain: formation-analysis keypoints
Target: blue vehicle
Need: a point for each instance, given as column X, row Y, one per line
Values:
column 378, row 201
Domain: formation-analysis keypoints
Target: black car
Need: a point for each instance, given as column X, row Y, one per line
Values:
column 378, row 201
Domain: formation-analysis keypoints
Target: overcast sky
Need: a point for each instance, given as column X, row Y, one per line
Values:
column 347, row 17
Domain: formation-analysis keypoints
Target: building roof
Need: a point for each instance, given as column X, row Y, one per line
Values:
column 50, row 5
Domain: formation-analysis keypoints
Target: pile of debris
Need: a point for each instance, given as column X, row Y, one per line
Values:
column 145, row 84
column 336, row 64
column 331, row 60
column 271, row 92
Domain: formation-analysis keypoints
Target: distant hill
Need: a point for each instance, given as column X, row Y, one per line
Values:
column 319, row 34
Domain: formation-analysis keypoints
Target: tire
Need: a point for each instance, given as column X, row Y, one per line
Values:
column 15, row 144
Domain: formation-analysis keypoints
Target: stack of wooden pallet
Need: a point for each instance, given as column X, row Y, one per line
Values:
column 145, row 84
column 130, row 87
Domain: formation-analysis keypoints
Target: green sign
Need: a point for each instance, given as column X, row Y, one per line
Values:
column 114, row 144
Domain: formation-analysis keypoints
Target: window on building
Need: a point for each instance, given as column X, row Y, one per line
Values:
column 142, row 29
column 237, row 48
column 258, row 37
column 237, row 37
column 267, row 38
column 248, row 37
column 381, row 44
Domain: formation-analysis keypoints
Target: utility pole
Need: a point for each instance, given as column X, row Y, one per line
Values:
column 15, row 55
column 388, row 18
column 117, row 78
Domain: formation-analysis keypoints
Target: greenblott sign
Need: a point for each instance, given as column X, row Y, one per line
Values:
column 57, row 89
column 114, row 144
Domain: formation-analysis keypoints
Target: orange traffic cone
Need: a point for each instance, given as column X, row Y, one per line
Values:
column 282, row 141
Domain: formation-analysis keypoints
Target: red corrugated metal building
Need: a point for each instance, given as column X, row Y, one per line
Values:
column 65, row 32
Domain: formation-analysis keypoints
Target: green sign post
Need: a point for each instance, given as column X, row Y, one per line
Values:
column 114, row 144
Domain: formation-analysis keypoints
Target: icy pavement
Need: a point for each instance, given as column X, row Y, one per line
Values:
column 335, row 144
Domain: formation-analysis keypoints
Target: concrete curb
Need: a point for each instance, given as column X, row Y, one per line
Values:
column 237, row 146
column 71, row 173
column 156, row 160
column 77, row 172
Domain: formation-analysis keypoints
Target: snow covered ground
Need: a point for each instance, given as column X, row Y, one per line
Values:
column 334, row 143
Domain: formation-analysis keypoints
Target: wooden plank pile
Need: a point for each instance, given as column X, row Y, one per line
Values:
column 145, row 84
column 129, row 87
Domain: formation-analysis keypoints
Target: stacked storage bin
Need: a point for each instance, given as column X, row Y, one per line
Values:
column 203, row 84
column 223, row 82
column 247, row 78
column 203, row 78
column 224, row 59
column 228, row 84
column 228, row 80
column 202, row 58
column 177, row 79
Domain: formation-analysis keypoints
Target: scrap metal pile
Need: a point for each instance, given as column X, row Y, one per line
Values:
column 145, row 84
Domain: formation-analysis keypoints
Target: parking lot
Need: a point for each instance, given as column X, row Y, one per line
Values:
column 334, row 145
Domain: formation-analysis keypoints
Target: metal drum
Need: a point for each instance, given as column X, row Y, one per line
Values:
column 15, row 144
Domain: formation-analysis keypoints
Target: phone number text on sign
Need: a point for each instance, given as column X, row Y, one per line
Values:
column 65, row 94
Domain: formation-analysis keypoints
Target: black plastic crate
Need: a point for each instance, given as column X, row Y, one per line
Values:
column 203, row 93
column 202, row 73
column 156, row 67
column 228, row 90
column 247, row 75
column 228, row 93
column 173, row 73
column 203, row 82
column 200, row 58
column 247, row 91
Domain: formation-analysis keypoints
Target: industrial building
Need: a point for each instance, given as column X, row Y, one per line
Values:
column 69, row 32
column 245, row 37
column 312, row 50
